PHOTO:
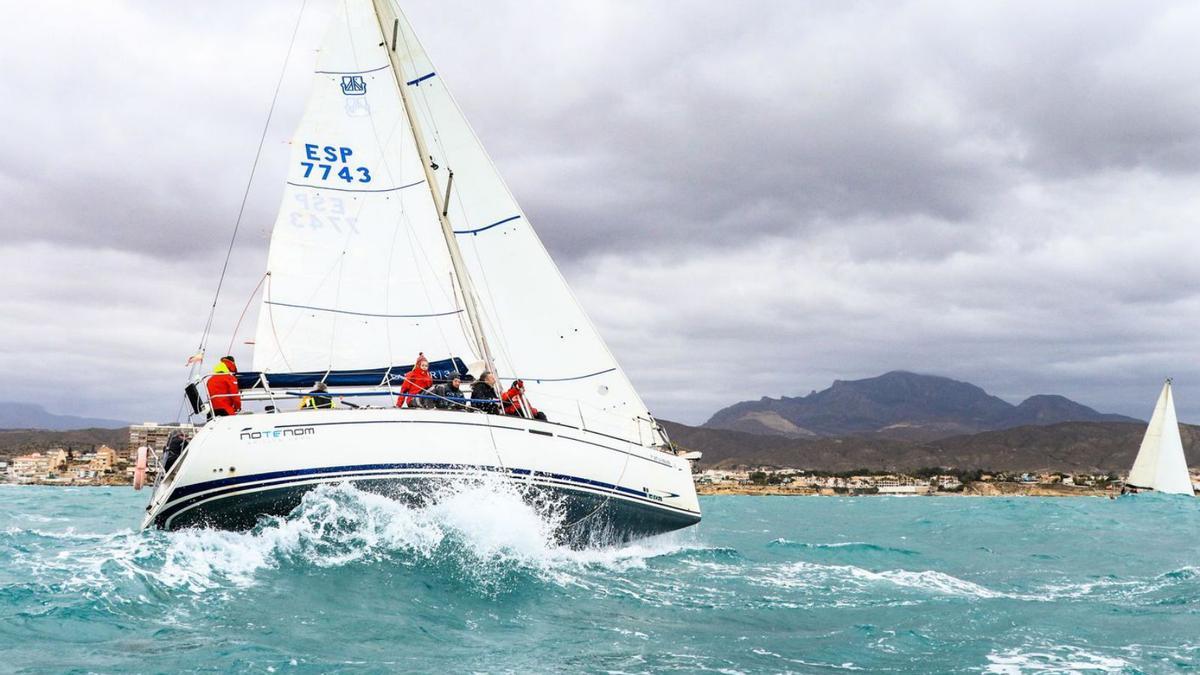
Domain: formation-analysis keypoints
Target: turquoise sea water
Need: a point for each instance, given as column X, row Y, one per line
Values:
column 352, row 582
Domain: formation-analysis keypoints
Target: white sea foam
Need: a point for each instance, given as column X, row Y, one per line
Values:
column 849, row 578
column 1055, row 658
column 1122, row 588
column 484, row 529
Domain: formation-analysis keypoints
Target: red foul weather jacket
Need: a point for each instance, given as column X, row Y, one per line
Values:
column 223, row 393
column 417, row 381
column 512, row 402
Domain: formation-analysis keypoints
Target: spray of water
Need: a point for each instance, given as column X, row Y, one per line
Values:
column 479, row 534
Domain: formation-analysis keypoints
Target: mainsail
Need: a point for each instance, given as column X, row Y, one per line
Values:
column 1160, row 464
column 360, row 273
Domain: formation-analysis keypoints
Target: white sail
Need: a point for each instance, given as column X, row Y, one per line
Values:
column 536, row 327
column 359, row 273
column 1160, row 463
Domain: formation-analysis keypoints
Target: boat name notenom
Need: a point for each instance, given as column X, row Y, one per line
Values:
column 248, row 435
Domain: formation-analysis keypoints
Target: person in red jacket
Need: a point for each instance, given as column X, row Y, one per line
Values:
column 223, row 389
column 514, row 402
column 417, row 381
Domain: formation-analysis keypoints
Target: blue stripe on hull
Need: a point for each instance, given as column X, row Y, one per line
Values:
column 221, row 486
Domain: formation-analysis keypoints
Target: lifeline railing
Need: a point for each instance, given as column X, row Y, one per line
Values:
column 644, row 431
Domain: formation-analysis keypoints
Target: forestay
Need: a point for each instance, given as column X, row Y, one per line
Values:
column 359, row 273
column 537, row 329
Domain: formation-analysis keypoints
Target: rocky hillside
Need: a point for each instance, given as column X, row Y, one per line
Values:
column 1067, row 446
column 899, row 405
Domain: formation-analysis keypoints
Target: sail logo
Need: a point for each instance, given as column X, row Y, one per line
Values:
column 356, row 106
column 354, row 85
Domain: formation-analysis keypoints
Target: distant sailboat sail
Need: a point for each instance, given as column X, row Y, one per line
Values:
column 1160, row 464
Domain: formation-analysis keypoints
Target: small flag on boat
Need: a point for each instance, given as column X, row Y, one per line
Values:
column 195, row 358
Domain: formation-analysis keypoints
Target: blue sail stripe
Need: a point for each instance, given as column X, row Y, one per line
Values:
column 378, row 316
column 488, row 227
column 420, row 79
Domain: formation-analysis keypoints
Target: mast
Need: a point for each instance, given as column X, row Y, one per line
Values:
column 388, row 27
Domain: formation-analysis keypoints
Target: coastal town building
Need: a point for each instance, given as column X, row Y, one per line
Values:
column 59, row 459
column 104, row 460
column 100, row 466
column 26, row 468
column 947, row 483
column 900, row 485
column 154, row 436
column 103, row 465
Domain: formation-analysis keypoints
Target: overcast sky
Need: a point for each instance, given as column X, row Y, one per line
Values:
column 750, row 198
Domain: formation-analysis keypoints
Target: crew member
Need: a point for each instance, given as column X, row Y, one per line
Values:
column 223, row 388
column 515, row 403
column 483, row 394
column 417, row 381
column 447, row 394
column 176, row 443
column 317, row 398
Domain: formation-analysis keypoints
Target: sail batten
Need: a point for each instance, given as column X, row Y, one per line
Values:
column 339, row 189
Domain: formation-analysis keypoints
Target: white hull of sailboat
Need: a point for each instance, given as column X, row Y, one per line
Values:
column 239, row 469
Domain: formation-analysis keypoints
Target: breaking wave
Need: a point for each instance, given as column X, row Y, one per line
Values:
column 850, row 583
column 1053, row 658
column 481, row 536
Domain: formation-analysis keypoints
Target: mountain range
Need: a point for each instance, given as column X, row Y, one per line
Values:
column 901, row 406
column 29, row 416
column 1091, row 447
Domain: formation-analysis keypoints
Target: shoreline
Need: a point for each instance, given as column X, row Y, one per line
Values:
column 975, row 489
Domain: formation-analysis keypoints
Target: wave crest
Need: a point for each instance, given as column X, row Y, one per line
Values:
column 483, row 535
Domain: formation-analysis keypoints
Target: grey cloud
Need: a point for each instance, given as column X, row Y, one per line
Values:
column 142, row 141
column 719, row 130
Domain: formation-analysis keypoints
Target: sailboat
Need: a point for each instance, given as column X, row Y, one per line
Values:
column 397, row 237
column 1160, row 464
